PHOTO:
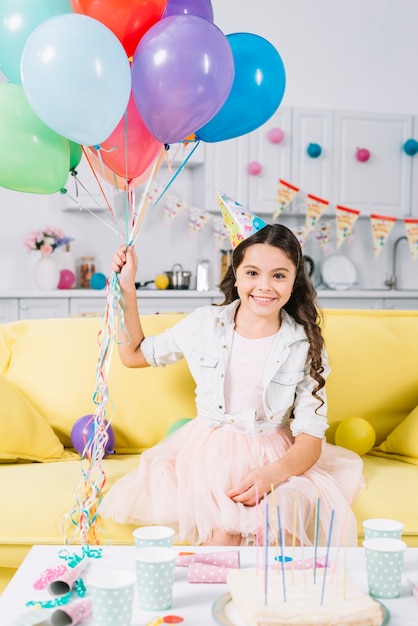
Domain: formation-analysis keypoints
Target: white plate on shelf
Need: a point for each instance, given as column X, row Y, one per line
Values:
column 338, row 272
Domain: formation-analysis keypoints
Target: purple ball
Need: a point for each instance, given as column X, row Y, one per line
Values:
column 82, row 432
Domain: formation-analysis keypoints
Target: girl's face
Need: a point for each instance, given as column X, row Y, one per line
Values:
column 264, row 279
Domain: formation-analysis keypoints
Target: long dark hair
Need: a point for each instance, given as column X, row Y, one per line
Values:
column 302, row 303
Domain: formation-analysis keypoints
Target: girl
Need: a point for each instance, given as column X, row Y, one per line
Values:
column 259, row 364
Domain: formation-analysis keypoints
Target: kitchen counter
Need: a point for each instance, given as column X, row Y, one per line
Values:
column 29, row 304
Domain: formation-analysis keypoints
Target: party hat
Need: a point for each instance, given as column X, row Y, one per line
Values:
column 239, row 222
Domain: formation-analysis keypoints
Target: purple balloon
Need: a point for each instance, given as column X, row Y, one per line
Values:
column 82, row 435
column 182, row 73
column 202, row 8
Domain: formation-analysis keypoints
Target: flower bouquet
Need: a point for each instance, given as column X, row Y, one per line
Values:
column 46, row 240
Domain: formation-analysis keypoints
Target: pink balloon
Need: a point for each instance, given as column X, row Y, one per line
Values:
column 130, row 148
column 276, row 135
column 362, row 155
column 67, row 279
column 254, row 168
column 182, row 73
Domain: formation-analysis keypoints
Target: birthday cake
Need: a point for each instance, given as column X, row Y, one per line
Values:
column 303, row 599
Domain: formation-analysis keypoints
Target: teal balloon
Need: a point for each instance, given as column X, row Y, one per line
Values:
column 410, row 147
column 314, row 150
column 33, row 158
column 256, row 93
column 178, row 425
column 98, row 281
column 76, row 77
column 18, row 18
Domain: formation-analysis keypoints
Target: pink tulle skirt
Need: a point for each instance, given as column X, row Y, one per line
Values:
column 182, row 482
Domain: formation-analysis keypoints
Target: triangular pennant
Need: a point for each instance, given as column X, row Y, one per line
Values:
column 314, row 209
column 346, row 218
column 323, row 236
column 197, row 220
column 220, row 236
column 381, row 227
column 411, row 227
column 173, row 208
column 301, row 233
column 285, row 195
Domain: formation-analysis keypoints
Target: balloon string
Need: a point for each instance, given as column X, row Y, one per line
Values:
column 82, row 208
column 97, row 178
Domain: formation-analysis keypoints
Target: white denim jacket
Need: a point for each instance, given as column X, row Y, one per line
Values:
column 204, row 339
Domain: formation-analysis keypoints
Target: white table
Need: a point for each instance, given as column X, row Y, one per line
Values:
column 193, row 602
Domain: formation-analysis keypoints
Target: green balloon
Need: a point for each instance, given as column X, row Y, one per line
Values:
column 76, row 152
column 178, row 425
column 33, row 157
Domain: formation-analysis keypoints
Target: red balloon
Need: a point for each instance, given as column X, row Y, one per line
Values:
column 119, row 182
column 130, row 158
column 129, row 20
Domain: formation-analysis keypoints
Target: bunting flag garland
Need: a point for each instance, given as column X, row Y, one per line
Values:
column 301, row 234
column 346, row 218
column 197, row 221
column 285, row 195
column 315, row 207
column 220, row 236
column 173, row 208
column 381, row 227
column 411, row 227
column 323, row 236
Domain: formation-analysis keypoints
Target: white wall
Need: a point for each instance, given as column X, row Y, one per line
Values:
column 359, row 55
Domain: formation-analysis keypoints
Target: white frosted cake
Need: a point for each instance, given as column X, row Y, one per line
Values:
column 343, row 603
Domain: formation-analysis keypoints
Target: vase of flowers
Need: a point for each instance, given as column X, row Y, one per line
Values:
column 46, row 241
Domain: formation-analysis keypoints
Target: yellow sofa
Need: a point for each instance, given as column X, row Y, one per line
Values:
column 48, row 378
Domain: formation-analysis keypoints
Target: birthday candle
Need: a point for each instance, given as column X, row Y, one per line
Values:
column 257, row 531
column 301, row 533
column 276, row 534
column 341, row 539
column 318, row 506
column 326, row 559
column 281, row 553
column 266, row 548
column 295, row 510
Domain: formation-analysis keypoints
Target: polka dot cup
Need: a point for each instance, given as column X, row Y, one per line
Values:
column 384, row 565
column 155, row 569
column 148, row 536
column 381, row 527
column 112, row 594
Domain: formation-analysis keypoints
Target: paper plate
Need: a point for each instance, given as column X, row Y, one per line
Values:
column 338, row 272
column 225, row 614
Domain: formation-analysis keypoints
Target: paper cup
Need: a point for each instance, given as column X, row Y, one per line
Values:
column 384, row 565
column 155, row 569
column 381, row 527
column 112, row 593
column 148, row 536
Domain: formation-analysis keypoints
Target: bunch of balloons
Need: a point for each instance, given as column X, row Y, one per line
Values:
column 125, row 77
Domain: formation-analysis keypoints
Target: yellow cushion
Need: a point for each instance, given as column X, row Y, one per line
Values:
column 24, row 434
column 403, row 440
column 60, row 382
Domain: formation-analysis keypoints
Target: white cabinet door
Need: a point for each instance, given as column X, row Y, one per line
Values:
column 414, row 167
column 87, row 306
column 9, row 310
column 312, row 175
column 42, row 308
column 408, row 304
column 382, row 184
column 226, row 171
column 274, row 159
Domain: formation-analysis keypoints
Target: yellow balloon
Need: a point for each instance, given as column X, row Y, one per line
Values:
column 356, row 434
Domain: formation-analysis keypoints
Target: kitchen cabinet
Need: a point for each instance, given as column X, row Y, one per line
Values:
column 9, row 310
column 41, row 308
column 382, row 184
column 414, row 167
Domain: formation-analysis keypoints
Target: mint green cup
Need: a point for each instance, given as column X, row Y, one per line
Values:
column 384, row 565
column 112, row 594
column 148, row 536
column 155, row 570
column 382, row 527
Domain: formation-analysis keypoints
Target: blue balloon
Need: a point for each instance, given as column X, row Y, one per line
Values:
column 314, row 150
column 410, row 147
column 98, row 281
column 257, row 89
column 18, row 18
column 76, row 77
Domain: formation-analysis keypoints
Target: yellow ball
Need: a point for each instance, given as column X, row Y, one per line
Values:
column 161, row 281
column 356, row 434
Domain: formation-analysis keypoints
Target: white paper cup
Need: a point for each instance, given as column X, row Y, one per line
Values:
column 112, row 593
column 384, row 565
column 148, row 536
column 381, row 527
column 155, row 569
